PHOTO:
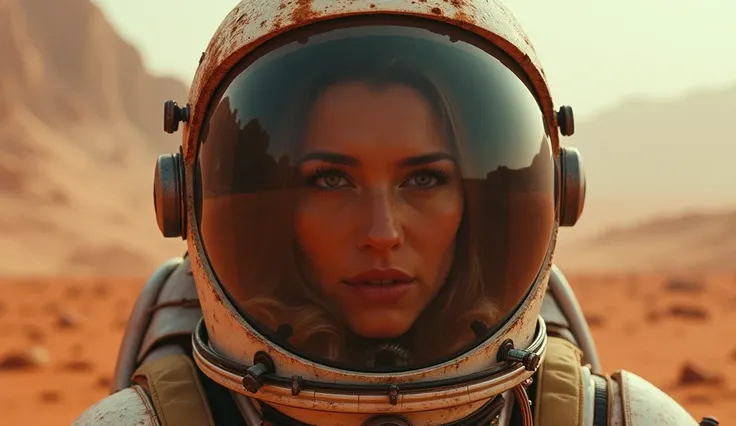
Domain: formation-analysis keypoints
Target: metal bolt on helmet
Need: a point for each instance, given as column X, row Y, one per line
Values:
column 173, row 115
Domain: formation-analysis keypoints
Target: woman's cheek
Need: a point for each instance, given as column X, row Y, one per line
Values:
column 442, row 216
column 318, row 234
column 440, row 211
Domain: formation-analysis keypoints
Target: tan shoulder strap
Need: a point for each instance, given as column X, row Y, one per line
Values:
column 559, row 394
column 175, row 390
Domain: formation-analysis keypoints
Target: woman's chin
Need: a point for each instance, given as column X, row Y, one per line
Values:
column 381, row 324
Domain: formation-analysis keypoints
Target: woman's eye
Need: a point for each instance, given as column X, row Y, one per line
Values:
column 332, row 181
column 422, row 180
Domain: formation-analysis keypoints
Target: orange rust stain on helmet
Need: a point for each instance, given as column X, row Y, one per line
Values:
column 303, row 12
column 464, row 17
column 277, row 23
column 244, row 19
column 240, row 23
column 214, row 50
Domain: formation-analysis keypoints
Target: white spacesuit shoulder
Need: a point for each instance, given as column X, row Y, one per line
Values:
column 636, row 402
column 128, row 407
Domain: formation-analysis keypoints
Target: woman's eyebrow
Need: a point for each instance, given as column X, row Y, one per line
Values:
column 420, row 160
column 347, row 160
column 329, row 157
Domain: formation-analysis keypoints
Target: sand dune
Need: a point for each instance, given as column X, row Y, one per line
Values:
column 703, row 242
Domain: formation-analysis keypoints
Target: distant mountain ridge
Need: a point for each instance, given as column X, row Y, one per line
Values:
column 678, row 148
column 80, row 129
column 650, row 163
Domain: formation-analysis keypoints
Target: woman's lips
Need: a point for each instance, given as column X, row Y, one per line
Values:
column 383, row 293
column 380, row 276
column 380, row 285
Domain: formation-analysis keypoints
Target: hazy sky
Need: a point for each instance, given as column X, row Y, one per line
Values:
column 595, row 53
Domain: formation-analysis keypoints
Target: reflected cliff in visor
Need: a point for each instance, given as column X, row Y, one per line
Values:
column 375, row 198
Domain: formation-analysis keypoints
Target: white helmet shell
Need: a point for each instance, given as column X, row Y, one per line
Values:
column 250, row 24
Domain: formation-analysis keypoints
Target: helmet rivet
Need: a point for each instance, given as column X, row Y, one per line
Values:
column 566, row 121
column 173, row 115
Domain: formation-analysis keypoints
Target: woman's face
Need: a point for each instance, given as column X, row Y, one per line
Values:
column 381, row 206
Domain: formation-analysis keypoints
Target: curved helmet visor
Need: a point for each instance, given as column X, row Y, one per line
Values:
column 375, row 197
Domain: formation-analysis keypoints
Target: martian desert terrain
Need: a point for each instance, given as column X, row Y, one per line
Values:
column 60, row 339
column 652, row 261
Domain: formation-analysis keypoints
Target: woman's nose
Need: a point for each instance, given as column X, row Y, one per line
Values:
column 383, row 231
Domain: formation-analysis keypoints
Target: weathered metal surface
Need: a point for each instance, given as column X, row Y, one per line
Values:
column 129, row 407
column 563, row 294
column 643, row 404
column 252, row 22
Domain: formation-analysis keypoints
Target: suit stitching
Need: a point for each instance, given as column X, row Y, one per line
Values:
column 144, row 401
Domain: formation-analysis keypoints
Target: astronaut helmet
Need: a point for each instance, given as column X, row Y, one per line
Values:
column 370, row 192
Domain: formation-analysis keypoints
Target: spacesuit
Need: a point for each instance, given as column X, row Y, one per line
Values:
column 371, row 193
